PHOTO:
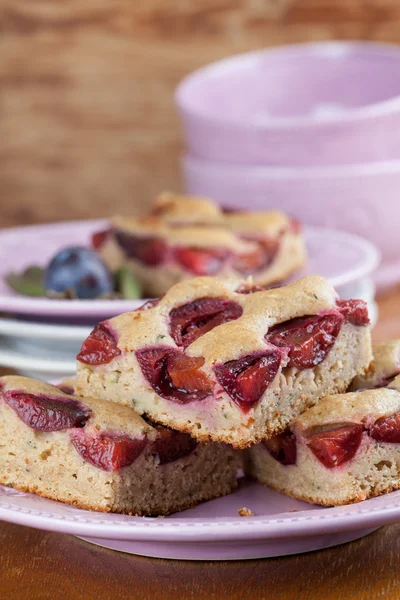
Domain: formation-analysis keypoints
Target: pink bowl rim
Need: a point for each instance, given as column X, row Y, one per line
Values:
column 291, row 172
column 378, row 109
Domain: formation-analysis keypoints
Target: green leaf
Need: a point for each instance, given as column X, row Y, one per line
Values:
column 28, row 283
column 127, row 285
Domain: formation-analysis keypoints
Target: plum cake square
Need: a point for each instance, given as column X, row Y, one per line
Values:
column 100, row 456
column 224, row 365
column 345, row 449
column 183, row 237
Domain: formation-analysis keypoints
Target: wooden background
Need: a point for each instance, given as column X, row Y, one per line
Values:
column 87, row 120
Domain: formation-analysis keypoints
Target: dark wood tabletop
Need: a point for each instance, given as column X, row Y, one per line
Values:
column 40, row 565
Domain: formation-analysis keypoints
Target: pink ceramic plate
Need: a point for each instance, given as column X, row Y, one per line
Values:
column 341, row 257
column 36, row 244
column 213, row 530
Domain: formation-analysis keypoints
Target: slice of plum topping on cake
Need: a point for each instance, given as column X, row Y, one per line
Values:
column 355, row 311
column 386, row 429
column 172, row 445
column 337, row 445
column 107, row 451
column 202, row 261
column 283, row 448
column 173, row 375
column 190, row 321
column 245, row 380
column 308, row 339
column 258, row 259
column 100, row 347
column 45, row 413
column 149, row 250
column 185, row 373
column 99, row 238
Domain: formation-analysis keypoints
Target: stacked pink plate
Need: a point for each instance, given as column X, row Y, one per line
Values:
column 311, row 129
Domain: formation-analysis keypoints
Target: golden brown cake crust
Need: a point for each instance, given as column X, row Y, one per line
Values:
column 171, row 211
column 105, row 415
column 261, row 311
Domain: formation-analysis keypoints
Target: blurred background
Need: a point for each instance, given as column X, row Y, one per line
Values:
column 88, row 125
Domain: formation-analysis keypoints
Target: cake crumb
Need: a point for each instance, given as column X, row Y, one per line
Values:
column 245, row 512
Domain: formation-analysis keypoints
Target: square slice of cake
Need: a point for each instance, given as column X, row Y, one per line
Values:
column 100, row 456
column 185, row 236
column 224, row 365
column 345, row 449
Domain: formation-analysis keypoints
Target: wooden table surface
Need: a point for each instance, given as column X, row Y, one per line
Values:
column 40, row 565
column 87, row 89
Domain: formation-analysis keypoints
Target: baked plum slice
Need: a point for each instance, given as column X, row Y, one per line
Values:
column 99, row 238
column 283, row 448
column 386, row 429
column 185, row 373
column 150, row 251
column 201, row 261
column 308, row 339
column 354, row 311
column 108, row 451
column 100, row 347
column 47, row 413
column 337, row 445
column 173, row 375
column 258, row 259
column 245, row 380
column 190, row 321
column 172, row 445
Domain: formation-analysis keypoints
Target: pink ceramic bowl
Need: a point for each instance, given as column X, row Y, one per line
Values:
column 311, row 104
column 363, row 199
